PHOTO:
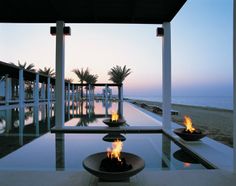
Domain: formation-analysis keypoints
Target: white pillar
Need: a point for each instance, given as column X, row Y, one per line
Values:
column 77, row 94
column 21, row 87
column 36, row 100
column 234, row 83
column 89, row 93
column 166, row 76
column 73, row 95
column 68, row 96
column 60, row 75
column 36, row 90
column 48, row 91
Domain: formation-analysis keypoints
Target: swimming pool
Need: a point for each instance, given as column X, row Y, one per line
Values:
column 47, row 151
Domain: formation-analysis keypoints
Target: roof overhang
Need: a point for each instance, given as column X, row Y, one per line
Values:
column 90, row 11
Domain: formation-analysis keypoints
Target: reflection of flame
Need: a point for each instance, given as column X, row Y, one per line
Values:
column 187, row 164
column 115, row 151
column 114, row 117
column 188, row 124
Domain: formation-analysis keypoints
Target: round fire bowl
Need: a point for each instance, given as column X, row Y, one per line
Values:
column 111, row 137
column 188, row 136
column 114, row 123
column 92, row 164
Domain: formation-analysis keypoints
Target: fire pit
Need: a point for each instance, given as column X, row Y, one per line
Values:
column 114, row 121
column 111, row 137
column 113, row 165
column 190, row 133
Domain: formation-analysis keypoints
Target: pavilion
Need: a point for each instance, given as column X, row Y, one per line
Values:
column 107, row 11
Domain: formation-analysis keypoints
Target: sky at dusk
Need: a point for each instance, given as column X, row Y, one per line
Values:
column 201, row 50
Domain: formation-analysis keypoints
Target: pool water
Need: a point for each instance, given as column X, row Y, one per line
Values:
column 29, row 144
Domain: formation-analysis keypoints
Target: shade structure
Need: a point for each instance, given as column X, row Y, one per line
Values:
column 90, row 11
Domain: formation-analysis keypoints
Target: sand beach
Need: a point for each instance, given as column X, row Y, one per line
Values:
column 219, row 122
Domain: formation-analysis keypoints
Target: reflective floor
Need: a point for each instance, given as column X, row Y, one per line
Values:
column 27, row 144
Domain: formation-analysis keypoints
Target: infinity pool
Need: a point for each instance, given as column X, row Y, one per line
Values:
column 29, row 144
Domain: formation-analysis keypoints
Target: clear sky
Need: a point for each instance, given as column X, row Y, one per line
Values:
column 201, row 50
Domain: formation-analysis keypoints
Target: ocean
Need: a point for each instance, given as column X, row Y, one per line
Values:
column 225, row 102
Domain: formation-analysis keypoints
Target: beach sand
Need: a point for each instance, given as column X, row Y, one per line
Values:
column 219, row 122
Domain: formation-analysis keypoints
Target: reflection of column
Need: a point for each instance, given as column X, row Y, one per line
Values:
column 120, row 108
column 48, row 117
column 166, row 152
column 106, row 108
column 8, row 120
column 60, row 151
column 21, row 124
column 36, row 120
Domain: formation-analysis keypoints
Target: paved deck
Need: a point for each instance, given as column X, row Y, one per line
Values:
column 82, row 178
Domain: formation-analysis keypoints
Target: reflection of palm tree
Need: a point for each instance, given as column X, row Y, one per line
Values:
column 85, row 120
column 81, row 74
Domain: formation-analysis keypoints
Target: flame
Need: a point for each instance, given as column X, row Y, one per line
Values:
column 114, row 117
column 188, row 124
column 115, row 151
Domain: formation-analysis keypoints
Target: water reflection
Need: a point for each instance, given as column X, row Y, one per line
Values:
column 20, row 126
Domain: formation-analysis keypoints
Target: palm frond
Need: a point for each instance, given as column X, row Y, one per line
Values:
column 118, row 74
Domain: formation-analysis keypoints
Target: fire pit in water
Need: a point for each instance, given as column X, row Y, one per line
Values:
column 113, row 165
column 114, row 121
column 190, row 133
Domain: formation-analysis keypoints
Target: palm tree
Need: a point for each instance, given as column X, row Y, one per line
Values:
column 69, row 80
column 29, row 84
column 47, row 71
column 117, row 75
column 91, row 79
column 81, row 74
column 24, row 66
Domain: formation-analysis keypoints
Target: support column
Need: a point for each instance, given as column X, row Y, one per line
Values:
column 48, row 91
column 21, row 106
column 60, row 75
column 36, row 100
column 234, row 83
column 166, row 76
column 21, row 87
column 73, row 97
column 49, row 102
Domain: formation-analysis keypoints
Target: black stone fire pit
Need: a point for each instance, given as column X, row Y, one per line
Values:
column 111, row 137
column 196, row 135
column 111, row 123
column 99, row 165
